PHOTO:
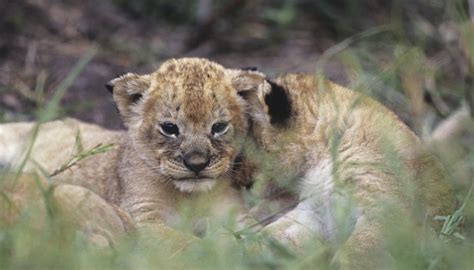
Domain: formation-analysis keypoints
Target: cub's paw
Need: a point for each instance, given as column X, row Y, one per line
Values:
column 165, row 237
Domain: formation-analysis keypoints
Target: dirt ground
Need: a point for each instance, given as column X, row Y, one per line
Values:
column 42, row 40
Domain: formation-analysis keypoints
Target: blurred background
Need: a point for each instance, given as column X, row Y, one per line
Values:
column 414, row 56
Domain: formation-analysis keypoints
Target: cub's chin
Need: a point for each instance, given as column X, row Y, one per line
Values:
column 195, row 185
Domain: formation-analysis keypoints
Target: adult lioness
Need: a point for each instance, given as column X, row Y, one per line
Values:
column 186, row 124
column 335, row 145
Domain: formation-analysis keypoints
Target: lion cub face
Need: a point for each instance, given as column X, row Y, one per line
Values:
column 186, row 120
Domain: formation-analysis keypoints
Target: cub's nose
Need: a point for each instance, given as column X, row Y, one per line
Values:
column 196, row 161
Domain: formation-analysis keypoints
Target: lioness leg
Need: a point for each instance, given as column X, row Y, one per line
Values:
column 101, row 222
column 80, row 209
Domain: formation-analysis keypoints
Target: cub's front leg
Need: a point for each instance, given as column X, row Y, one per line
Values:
column 295, row 228
column 322, row 214
column 322, row 217
column 150, row 215
column 364, row 249
column 304, row 228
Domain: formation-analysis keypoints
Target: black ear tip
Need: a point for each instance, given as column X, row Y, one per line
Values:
column 109, row 86
column 250, row 68
column 279, row 105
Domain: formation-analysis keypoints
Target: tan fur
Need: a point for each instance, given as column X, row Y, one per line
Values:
column 340, row 148
column 72, row 207
column 144, row 174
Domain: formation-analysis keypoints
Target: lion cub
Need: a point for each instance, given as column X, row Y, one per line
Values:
column 334, row 147
column 186, row 124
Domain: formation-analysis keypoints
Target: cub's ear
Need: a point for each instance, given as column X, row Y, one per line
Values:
column 250, row 68
column 127, row 91
column 244, row 80
column 267, row 99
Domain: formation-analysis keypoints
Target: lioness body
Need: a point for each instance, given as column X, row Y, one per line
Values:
column 335, row 143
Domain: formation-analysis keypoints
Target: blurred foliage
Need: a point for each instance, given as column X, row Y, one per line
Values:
column 341, row 16
column 176, row 11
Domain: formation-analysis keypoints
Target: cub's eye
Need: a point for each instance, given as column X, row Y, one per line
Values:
column 169, row 129
column 219, row 128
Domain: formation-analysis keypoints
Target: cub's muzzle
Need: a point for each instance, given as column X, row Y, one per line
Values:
column 196, row 161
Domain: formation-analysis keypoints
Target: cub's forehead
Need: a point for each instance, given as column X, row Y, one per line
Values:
column 196, row 89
